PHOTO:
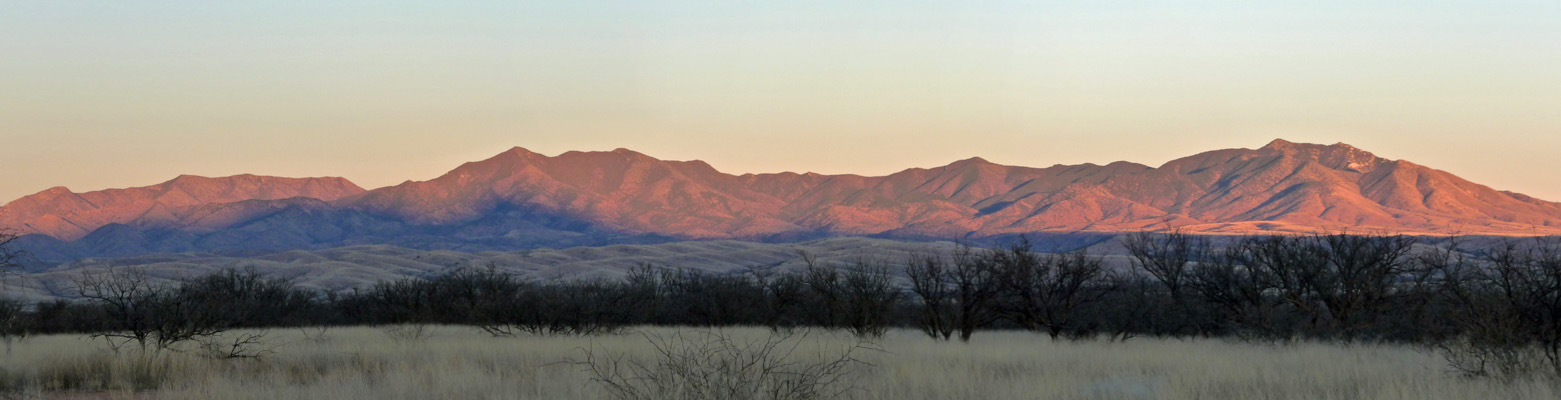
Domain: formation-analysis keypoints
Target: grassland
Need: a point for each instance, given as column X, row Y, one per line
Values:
column 462, row 363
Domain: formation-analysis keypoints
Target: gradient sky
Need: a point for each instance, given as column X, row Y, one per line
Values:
column 113, row 94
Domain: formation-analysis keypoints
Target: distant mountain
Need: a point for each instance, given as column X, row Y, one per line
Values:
column 619, row 190
column 1281, row 187
column 186, row 202
column 520, row 199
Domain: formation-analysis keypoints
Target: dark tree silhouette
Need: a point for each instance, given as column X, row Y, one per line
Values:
column 13, row 322
column 932, row 281
column 1042, row 292
column 1169, row 257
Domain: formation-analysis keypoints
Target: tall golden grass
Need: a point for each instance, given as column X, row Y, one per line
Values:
column 463, row 363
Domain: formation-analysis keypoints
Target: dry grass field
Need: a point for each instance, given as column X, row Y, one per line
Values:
column 463, row 363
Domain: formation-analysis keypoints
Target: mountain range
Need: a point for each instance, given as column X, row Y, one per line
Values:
column 520, row 199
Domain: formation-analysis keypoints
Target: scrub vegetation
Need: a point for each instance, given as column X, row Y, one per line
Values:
column 1318, row 316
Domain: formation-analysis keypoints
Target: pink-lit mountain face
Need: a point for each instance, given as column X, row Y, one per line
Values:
column 186, row 202
column 1282, row 187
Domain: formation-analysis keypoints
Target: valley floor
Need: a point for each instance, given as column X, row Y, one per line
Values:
column 464, row 363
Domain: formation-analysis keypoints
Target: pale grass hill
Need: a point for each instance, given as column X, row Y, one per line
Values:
column 358, row 266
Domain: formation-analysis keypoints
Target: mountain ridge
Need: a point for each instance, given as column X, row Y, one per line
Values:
column 58, row 212
column 522, row 198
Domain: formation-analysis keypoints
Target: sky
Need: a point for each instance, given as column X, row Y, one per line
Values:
column 97, row 95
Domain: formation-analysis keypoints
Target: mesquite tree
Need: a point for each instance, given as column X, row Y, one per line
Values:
column 1042, row 292
column 12, row 322
column 1169, row 258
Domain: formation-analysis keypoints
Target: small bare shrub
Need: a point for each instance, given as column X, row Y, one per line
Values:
column 241, row 345
column 716, row 366
column 316, row 333
column 409, row 334
column 1508, row 309
column 1477, row 358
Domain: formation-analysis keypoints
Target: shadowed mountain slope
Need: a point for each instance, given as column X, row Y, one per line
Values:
column 520, row 199
column 186, row 202
column 1281, row 187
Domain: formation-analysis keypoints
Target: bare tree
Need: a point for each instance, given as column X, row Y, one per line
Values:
column 490, row 299
column 695, row 297
column 785, row 296
column 245, row 298
column 1169, row 257
column 1042, row 291
column 152, row 314
column 1336, row 285
column 13, row 322
column 580, row 307
column 1238, row 293
column 12, row 318
column 1523, row 292
column 645, row 291
column 871, row 296
column 403, row 301
column 859, row 298
column 162, row 315
column 931, row 281
column 1166, row 256
column 1491, row 337
column 1132, row 307
column 1291, row 265
column 125, row 295
column 977, row 284
column 1363, row 273
column 826, row 296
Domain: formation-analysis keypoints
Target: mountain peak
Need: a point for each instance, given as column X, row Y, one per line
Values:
column 1282, row 187
column 47, row 195
column 1339, row 156
column 1285, row 145
column 187, row 178
column 631, row 154
column 971, row 161
column 1278, row 144
column 518, row 151
column 513, row 155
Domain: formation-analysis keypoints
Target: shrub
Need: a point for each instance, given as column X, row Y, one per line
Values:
column 711, row 365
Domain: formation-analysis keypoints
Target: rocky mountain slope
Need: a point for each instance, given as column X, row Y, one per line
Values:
column 186, row 202
column 1281, row 187
column 521, row 199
